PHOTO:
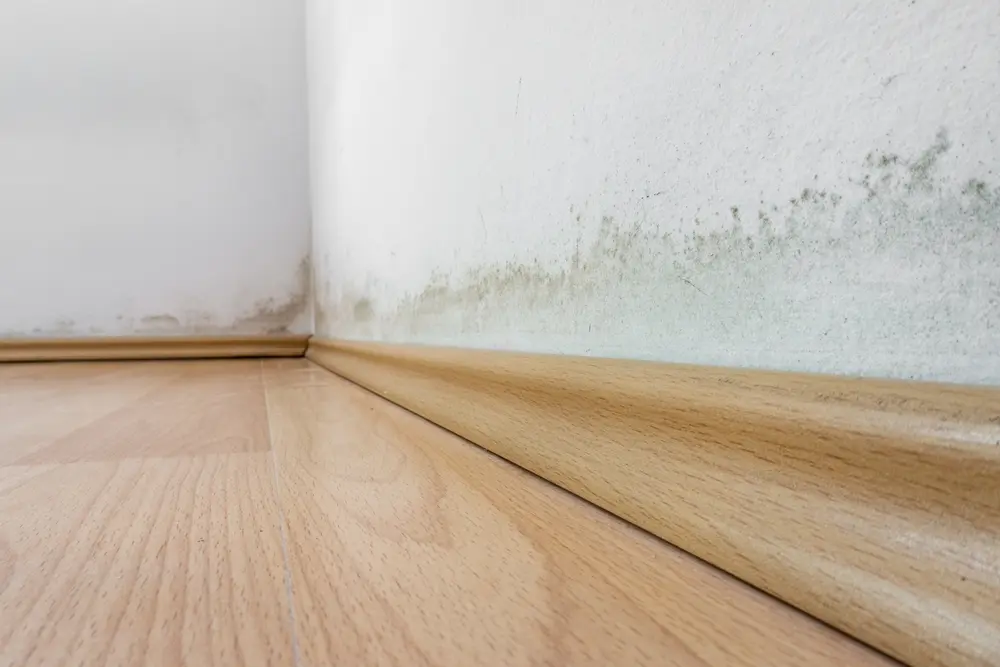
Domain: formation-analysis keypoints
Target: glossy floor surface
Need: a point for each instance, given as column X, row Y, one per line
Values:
column 269, row 513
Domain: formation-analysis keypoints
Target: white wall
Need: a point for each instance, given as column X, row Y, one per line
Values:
column 153, row 167
column 799, row 185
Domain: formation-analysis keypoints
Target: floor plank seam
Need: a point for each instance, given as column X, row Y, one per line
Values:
column 289, row 586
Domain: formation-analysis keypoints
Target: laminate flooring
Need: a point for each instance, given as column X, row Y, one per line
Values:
column 270, row 513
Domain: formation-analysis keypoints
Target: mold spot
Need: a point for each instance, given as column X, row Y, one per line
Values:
column 363, row 311
column 922, row 169
column 976, row 188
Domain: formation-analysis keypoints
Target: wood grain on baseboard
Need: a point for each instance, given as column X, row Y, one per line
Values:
column 873, row 505
column 166, row 347
column 408, row 546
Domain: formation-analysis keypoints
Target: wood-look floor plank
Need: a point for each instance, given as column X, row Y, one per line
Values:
column 294, row 372
column 139, row 540
column 40, row 403
column 140, row 525
column 871, row 504
column 410, row 546
column 59, row 413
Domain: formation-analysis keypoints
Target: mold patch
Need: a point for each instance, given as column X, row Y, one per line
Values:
column 277, row 315
column 266, row 316
column 898, row 276
column 363, row 311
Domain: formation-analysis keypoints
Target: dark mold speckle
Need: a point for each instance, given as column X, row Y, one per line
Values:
column 271, row 315
column 897, row 274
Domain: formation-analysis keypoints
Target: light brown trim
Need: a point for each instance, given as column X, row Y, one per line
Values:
column 167, row 347
column 873, row 505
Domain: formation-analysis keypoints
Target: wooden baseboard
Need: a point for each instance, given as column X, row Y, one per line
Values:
column 134, row 348
column 873, row 505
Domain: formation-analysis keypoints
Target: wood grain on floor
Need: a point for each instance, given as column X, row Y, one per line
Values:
column 138, row 522
column 146, row 519
column 871, row 504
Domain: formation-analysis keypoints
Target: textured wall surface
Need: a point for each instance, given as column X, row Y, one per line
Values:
column 797, row 185
column 153, row 167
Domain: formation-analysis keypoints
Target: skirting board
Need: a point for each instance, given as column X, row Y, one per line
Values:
column 873, row 505
column 134, row 348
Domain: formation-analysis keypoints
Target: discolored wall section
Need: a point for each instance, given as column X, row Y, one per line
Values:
column 807, row 186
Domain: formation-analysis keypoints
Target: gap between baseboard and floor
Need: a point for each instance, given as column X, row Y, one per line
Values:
column 873, row 505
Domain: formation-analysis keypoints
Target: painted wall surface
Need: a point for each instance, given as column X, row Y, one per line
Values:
column 153, row 167
column 785, row 184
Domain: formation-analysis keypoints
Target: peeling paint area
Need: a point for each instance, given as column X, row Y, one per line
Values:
column 897, row 274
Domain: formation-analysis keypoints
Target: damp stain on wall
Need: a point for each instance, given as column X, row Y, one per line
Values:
column 271, row 315
column 897, row 275
column 363, row 310
column 277, row 315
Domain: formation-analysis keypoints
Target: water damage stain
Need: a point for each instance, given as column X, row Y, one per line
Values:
column 364, row 311
column 265, row 316
column 277, row 315
column 898, row 277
